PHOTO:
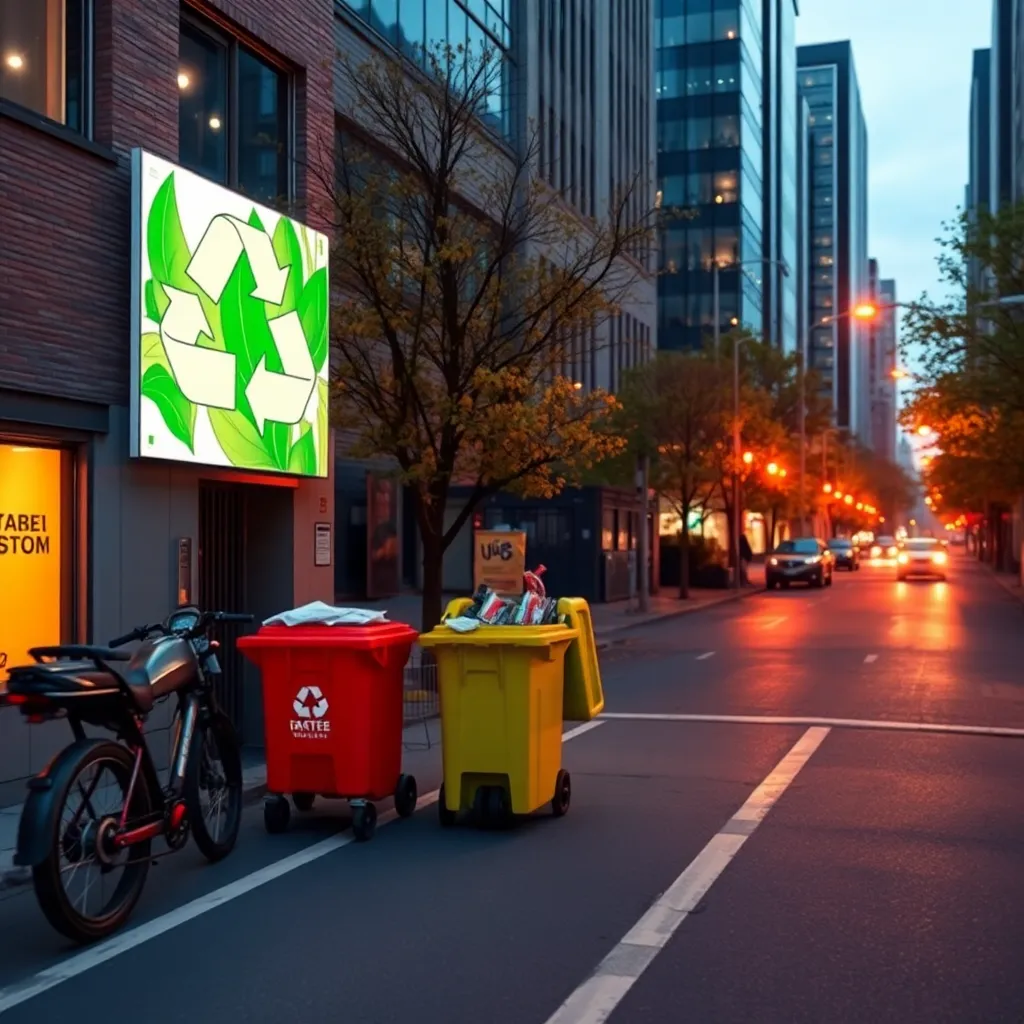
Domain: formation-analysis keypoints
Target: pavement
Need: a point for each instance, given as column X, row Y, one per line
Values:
column 802, row 807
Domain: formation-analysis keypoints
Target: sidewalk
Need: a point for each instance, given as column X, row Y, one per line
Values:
column 610, row 621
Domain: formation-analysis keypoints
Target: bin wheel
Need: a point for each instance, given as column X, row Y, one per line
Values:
column 444, row 816
column 498, row 813
column 563, row 794
column 276, row 814
column 364, row 822
column 303, row 801
column 405, row 795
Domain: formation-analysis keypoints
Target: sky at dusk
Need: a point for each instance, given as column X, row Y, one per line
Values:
column 913, row 60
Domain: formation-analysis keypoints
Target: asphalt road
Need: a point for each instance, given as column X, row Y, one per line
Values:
column 707, row 871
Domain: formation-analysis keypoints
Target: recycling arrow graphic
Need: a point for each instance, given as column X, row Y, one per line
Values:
column 224, row 242
column 206, row 376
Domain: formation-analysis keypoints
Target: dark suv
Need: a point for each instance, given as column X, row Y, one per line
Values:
column 803, row 560
column 845, row 552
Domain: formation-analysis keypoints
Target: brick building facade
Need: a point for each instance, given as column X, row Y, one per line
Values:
column 239, row 91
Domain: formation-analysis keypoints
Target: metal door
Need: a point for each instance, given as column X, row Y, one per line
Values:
column 222, row 583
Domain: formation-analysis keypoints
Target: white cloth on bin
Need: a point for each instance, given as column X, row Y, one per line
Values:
column 463, row 624
column 318, row 613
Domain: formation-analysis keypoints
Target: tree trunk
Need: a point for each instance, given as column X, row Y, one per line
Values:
column 684, row 560
column 433, row 582
column 774, row 526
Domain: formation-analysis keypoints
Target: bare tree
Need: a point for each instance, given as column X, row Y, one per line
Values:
column 463, row 283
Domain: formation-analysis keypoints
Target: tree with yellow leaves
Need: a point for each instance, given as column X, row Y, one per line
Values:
column 465, row 283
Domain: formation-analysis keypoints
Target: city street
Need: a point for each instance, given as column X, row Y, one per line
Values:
column 849, row 863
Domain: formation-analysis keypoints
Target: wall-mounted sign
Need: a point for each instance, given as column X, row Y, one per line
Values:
column 499, row 560
column 30, row 552
column 229, row 337
column 184, row 570
column 322, row 546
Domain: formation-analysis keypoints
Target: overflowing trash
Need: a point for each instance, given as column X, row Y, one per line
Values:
column 488, row 608
column 319, row 613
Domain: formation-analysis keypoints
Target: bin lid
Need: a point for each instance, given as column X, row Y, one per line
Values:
column 372, row 636
column 511, row 636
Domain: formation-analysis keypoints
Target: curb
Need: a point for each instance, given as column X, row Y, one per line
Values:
column 1008, row 582
column 254, row 788
column 731, row 598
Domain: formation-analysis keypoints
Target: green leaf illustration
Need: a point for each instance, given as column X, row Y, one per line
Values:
column 289, row 254
column 246, row 332
column 255, row 222
column 323, row 427
column 169, row 258
column 153, row 353
column 176, row 410
column 303, row 456
column 156, row 301
column 240, row 440
column 312, row 310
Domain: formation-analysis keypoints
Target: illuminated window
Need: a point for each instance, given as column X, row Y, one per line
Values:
column 46, row 58
column 36, row 550
column 219, row 80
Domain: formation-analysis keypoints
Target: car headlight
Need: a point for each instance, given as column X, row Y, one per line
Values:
column 891, row 552
column 939, row 558
column 875, row 552
column 773, row 561
column 813, row 559
column 903, row 559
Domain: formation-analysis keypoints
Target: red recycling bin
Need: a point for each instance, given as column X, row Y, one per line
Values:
column 333, row 717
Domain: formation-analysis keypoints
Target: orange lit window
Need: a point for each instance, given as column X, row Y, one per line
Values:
column 36, row 542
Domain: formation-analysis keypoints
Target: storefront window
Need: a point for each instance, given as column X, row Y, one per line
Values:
column 36, row 550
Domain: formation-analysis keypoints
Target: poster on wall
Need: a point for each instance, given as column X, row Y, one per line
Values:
column 229, row 338
column 30, row 552
column 499, row 561
column 381, row 537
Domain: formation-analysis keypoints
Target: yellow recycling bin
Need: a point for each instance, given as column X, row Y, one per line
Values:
column 501, row 720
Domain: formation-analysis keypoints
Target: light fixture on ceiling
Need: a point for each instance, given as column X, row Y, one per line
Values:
column 183, row 80
column 14, row 61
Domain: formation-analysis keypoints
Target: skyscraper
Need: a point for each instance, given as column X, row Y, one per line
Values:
column 727, row 141
column 838, row 223
column 882, row 366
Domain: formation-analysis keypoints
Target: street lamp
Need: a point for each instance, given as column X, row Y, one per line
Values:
column 737, row 339
column 862, row 311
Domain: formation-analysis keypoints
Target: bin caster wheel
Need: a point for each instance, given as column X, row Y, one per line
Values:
column 498, row 813
column 364, row 822
column 303, row 801
column 276, row 814
column 405, row 796
column 444, row 816
column 563, row 794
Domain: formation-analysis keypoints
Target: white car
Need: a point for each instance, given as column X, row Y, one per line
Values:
column 921, row 556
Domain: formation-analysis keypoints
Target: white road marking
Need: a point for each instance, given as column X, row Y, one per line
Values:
column 705, row 655
column 22, row 991
column 596, row 999
column 829, row 723
column 869, row 658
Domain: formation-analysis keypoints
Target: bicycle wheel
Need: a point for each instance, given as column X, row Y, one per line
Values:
column 213, row 787
column 90, row 808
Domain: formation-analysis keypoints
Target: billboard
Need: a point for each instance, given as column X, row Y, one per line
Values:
column 229, row 340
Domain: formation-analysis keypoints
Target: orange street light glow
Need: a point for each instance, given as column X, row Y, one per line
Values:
column 848, row 499
column 860, row 506
column 898, row 374
column 782, row 472
column 923, row 431
column 881, row 519
column 839, row 495
column 772, row 468
column 865, row 311
column 827, row 488
column 748, row 457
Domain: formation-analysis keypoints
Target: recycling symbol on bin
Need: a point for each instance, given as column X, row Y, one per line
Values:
column 310, row 703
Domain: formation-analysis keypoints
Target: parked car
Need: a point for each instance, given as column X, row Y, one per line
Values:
column 845, row 553
column 802, row 560
column 921, row 556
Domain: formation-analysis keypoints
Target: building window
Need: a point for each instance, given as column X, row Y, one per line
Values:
column 46, row 58
column 232, row 115
column 37, row 532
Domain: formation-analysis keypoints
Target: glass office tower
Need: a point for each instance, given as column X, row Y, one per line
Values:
column 727, row 163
